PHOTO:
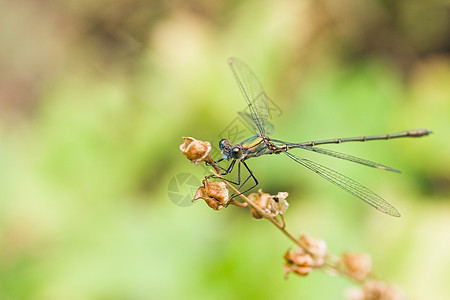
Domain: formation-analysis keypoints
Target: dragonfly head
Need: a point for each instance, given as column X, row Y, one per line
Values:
column 231, row 152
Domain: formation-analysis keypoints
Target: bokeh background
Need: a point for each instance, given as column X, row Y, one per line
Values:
column 96, row 95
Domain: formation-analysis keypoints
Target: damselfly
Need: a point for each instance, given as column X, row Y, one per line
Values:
column 261, row 144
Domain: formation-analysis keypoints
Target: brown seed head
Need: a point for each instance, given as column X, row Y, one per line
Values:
column 214, row 193
column 317, row 247
column 272, row 205
column 359, row 265
column 302, row 262
column 195, row 150
column 375, row 290
column 298, row 262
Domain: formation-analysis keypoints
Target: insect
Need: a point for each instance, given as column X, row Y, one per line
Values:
column 262, row 144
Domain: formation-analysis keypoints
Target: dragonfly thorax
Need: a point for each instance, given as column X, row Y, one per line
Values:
column 232, row 151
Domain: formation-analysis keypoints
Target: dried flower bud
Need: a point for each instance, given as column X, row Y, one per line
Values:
column 272, row 205
column 359, row 265
column 214, row 193
column 298, row 262
column 195, row 150
column 301, row 262
column 316, row 247
column 375, row 290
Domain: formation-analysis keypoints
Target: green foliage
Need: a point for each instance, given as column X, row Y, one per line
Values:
column 96, row 96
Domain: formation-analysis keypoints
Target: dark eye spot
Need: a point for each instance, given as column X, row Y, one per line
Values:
column 236, row 152
column 222, row 143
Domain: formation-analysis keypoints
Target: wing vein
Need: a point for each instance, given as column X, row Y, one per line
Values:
column 348, row 185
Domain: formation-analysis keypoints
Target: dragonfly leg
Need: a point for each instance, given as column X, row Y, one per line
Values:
column 238, row 182
column 226, row 171
column 245, row 181
column 229, row 170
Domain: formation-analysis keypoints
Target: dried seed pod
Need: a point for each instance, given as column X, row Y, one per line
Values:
column 272, row 205
column 359, row 265
column 302, row 262
column 214, row 193
column 375, row 290
column 316, row 247
column 298, row 262
column 195, row 150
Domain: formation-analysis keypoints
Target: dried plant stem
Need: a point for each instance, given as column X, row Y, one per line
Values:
column 332, row 262
column 274, row 220
column 311, row 253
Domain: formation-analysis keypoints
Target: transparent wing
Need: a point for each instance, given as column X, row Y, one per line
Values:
column 253, row 93
column 336, row 154
column 348, row 185
column 350, row 158
column 268, row 127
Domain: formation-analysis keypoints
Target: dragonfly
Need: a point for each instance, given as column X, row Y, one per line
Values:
column 261, row 144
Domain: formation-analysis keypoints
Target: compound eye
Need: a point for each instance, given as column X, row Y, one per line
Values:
column 222, row 143
column 237, row 152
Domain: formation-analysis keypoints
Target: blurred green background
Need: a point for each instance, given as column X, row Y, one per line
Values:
column 96, row 95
